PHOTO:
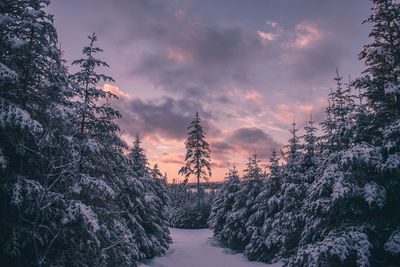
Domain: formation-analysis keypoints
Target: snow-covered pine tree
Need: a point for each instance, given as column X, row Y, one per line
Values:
column 285, row 228
column 149, row 204
column 266, row 206
column 86, row 82
column 223, row 203
column 137, row 156
column 100, row 174
column 58, row 203
column 336, row 211
column 197, row 159
column 155, row 173
column 35, row 125
column 235, row 234
column 380, row 85
column 342, row 111
column 154, row 218
column 310, row 148
column 192, row 213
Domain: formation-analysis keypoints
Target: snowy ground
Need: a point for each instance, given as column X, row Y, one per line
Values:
column 196, row 248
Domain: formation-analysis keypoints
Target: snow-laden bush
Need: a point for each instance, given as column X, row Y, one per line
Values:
column 345, row 247
column 188, row 209
column 393, row 244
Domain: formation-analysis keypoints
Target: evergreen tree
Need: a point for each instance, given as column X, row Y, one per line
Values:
column 347, row 200
column 235, row 234
column 99, row 171
column 223, row 204
column 310, row 147
column 266, row 206
column 197, row 159
column 287, row 225
column 156, row 173
column 332, row 200
column 93, row 117
column 380, row 85
column 35, row 122
column 148, row 200
column 342, row 111
column 68, row 196
column 154, row 218
column 139, row 163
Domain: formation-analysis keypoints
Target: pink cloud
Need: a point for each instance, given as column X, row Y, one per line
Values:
column 306, row 34
column 284, row 113
column 178, row 55
column 267, row 36
column 272, row 23
column 116, row 91
column 255, row 97
column 271, row 36
column 309, row 109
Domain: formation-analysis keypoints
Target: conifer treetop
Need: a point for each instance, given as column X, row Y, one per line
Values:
column 381, row 56
column 197, row 159
column 95, row 117
column 253, row 170
column 89, row 63
column 233, row 174
column 139, row 162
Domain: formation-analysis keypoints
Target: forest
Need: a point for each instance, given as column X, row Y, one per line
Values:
column 74, row 193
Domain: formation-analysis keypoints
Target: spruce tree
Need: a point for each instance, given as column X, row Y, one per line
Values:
column 343, row 197
column 266, row 206
column 101, row 174
column 310, row 146
column 64, row 198
column 235, row 234
column 156, row 173
column 149, row 201
column 197, row 159
column 86, row 81
column 35, row 124
column 137, row 156
column 286, row 224
column 380, row 85
column 223, row 203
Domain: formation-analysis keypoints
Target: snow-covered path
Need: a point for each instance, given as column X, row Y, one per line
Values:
column 196, row 248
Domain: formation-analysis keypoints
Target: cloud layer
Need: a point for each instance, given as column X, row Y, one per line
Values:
column 249, row 69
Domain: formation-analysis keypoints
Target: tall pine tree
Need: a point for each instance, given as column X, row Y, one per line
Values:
column 35, row 125
column 197, row 159
column 265, row 208
column 223, row 203
column 137, row 156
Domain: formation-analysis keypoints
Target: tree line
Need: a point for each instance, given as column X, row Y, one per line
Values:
column 330, row 200
column 69, row 195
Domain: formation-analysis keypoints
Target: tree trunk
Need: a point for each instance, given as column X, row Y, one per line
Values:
column 198, row 189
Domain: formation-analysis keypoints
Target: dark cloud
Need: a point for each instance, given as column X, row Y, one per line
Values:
column 315, row 63
column 200, row 62
column 253, row 140
column 166, row 116
column 243, row 141
column 215, row 51
column 222, row 146
column 179, row 53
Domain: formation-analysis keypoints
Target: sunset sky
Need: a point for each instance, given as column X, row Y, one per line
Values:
column 248, row 67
